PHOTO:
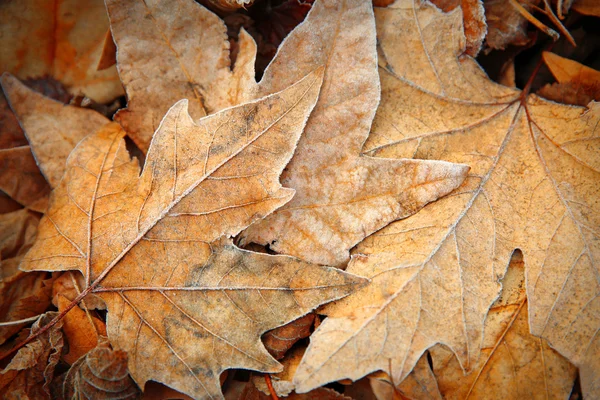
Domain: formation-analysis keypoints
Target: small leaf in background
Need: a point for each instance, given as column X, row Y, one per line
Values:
column 576, row 83
column 61, row 39
column 100, row 374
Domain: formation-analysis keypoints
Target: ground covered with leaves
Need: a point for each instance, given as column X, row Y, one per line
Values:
column 329, row 199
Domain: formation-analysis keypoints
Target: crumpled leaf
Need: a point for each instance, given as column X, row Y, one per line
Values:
column 52, row 128
column 172, row 50
column 31, row 370
column 577, row 84
column 533, row 185
column 506, row 25
column 79, row 332
column 280, row 340
column 100, row 374
column 513, row 364
column 150, row 245
column 341, row 196
column 62, row 39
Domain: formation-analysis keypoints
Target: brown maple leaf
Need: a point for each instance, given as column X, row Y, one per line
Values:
column 154, row 246
column 534, row 185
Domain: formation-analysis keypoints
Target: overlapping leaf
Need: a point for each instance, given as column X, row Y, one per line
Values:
column 533, row 185
column 341, row 197
column 183, row 303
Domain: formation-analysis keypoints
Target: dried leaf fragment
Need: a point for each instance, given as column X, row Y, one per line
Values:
column 100, row 374
column 154, row 246
column 280, row 340
column 31, row 370
column 79, row 332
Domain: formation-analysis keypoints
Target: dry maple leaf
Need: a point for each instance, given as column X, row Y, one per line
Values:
column 172, row 50
column 149, row 244
column 341, row 196
column 62, row 39
column 534, row 185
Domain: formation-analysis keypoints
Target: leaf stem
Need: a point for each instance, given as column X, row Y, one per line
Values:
column 270, row 386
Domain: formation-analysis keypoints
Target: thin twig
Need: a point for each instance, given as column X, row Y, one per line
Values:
column 21, row 321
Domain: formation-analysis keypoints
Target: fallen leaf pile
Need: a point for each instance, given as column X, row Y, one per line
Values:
column 369, row 216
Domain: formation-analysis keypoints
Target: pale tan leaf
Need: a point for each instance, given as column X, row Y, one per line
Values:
column 63, row 39
column 513, row 364
column 182, row 300
column 474, row 25
column 341, row 196
column 52, row 128
column 533, row 185
column 172, row 50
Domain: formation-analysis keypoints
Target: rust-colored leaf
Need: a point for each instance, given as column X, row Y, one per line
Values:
column 59, row 38
column 100, row 374
column 280, row 340
column 533, row 185
column 155, row 246
column 81, row 336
